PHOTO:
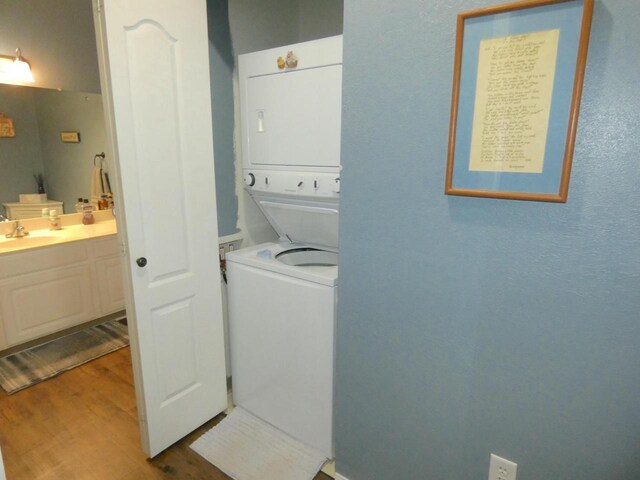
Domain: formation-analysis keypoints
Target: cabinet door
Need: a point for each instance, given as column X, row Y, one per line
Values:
column 110, row 291
column 41, row 303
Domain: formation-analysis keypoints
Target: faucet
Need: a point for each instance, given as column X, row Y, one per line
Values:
column 18, row 231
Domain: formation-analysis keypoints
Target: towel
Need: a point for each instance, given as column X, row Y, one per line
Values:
column 97, row 186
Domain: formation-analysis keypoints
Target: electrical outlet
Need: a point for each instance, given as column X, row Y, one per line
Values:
column 501, row 469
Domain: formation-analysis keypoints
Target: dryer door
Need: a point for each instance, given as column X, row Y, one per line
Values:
column 293, row 118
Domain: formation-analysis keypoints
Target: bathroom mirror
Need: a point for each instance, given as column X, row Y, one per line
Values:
column 39, row 116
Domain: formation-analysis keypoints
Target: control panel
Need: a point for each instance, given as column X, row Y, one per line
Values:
column 302, row 184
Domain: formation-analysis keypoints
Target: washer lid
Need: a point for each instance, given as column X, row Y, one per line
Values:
column 302, row 221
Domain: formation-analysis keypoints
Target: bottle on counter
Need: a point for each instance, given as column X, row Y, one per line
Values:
column 103, row 203
column 54, row 220
column 79, row 205
column 45, row 213
column 87, row 213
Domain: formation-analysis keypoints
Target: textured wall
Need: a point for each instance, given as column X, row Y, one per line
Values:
column 20, row 156
column 468, row 326
column 319, row 19
column 258, row 24
column 221, row 65
column 39, row 116
column 68, row 166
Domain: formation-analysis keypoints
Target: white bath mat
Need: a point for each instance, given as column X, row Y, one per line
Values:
column 247, row 448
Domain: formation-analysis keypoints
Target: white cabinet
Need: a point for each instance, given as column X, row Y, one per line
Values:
column 40, row 303
column 19, row 211
column 49, row 289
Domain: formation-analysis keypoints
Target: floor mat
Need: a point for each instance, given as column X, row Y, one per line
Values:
column 33, row 365
column 247, row 448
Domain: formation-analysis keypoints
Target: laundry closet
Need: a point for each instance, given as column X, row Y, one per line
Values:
column 292, row 199
column 282, row 294
column 282, row 283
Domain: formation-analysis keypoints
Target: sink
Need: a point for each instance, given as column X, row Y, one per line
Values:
column 25, row 242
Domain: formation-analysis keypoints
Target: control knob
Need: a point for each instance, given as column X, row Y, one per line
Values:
column 249, row 179
column 335, row 185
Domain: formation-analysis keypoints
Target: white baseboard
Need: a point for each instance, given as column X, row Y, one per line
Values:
column 340, row 477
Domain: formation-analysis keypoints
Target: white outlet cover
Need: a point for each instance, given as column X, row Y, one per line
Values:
column 502, row 469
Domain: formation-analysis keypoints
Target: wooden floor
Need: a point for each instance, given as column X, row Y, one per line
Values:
column 82, row 425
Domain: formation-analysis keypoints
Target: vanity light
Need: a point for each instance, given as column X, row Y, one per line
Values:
column 21, row 68
column 15, row 69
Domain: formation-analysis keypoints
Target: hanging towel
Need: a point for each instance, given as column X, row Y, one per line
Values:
column 97, row 186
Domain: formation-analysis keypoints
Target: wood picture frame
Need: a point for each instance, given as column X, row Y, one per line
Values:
column 70, row 137
column 517, row 84
column 7, row 130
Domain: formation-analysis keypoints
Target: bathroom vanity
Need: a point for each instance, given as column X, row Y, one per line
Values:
column 53, row 280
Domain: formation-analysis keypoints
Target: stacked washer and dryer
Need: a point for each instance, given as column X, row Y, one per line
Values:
column 282, row 295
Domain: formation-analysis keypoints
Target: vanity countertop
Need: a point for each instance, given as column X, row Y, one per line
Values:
column 46, row 238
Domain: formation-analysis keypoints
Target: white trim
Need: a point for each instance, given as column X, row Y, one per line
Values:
column 340, row 477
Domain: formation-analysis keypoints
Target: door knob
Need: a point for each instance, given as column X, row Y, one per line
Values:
column 141, row 261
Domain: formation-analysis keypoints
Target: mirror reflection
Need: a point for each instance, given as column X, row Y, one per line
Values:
column 43, row 148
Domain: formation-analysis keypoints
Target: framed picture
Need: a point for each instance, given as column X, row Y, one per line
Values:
column 517, row 85
column 70, row 137
column 6, row 127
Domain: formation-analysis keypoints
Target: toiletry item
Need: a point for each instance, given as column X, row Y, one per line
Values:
column 103, row 203
column 54, row 220
column 45, row 212
column 87, row 213
column 79, row 205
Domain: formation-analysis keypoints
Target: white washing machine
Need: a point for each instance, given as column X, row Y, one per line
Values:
column 282, row 327
column 282, row 305
column 282, row 295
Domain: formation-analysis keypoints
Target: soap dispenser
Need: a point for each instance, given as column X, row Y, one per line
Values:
column 54, row 220
column 87, row 213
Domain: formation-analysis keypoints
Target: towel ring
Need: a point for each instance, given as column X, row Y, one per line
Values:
column 101, row 156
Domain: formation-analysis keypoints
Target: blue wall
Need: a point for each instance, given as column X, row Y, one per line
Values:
column 469, row 326
column 68, row 166
column 58, row 39
column 39, row 116
column 221, row 65
column 20, row 156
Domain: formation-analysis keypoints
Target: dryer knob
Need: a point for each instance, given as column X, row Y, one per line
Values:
column 250, row 179
column 335, row 186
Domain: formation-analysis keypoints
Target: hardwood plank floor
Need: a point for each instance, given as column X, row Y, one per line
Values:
column 83, row 425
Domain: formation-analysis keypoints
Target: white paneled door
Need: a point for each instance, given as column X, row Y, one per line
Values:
column 154, row 59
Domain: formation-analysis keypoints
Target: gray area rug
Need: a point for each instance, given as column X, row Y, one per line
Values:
column 23, row 369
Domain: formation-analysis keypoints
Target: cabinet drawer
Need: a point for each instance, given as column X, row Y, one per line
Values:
column 24, row 262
